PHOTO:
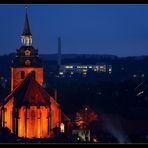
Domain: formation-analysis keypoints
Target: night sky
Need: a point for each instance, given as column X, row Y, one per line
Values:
column 120, row 30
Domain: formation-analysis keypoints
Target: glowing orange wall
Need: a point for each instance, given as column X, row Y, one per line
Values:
column 36, row 126
column 8, row 114
column 21, row 122
column 44, row 122
column 33, row 121
column 16, row 75
column 56, row 116
column 39, row 127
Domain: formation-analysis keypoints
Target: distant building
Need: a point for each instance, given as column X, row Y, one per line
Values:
column 84, row 69
column 81, row 135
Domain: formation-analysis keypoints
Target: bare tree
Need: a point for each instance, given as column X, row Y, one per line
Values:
column 84, row 117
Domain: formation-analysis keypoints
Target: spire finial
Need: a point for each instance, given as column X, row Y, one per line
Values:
column 26, row 30
column 26, row 8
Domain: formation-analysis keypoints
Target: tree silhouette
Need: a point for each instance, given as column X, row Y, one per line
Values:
column 84, row 117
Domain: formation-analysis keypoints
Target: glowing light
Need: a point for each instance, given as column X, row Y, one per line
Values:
column 62, row 128
column 68, row 66
column 142, row 75
column 82, row 67
column 61, row 73
column 95, row 140
column 101, row 66
column 140, row 93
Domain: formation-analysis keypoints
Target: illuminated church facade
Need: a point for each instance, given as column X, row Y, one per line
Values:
column 29, row 111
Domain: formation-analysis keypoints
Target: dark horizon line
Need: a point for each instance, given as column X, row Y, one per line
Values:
column 5, row 54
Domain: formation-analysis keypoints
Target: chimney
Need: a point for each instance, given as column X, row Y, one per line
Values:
column 59, row 53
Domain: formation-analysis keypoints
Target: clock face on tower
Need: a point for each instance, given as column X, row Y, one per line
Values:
column 27, row 62
column 27, row 53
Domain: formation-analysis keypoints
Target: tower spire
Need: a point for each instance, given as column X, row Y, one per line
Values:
column 26, row 30
column 26, row 37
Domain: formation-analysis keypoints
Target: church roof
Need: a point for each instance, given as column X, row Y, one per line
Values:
column 26, row 30
column 29, row 92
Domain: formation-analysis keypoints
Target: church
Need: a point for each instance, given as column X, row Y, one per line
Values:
column 29, row 111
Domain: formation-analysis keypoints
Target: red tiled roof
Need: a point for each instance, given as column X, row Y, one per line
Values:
column 30, row 92
column 35, row 93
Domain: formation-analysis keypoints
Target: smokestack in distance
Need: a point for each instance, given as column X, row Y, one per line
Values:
column 59, row 53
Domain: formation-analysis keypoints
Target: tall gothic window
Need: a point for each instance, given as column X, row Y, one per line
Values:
column 33, row 122
column 22, row 74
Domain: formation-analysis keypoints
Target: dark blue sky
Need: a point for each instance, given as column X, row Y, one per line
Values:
column 121, row 30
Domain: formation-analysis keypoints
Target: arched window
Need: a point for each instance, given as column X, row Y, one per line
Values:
column 33, row 116
column 33, row 74
column 51, row 119
column 22, row 74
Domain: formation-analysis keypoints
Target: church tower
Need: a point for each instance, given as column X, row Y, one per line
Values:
column 28, row 110
column 26, row 60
